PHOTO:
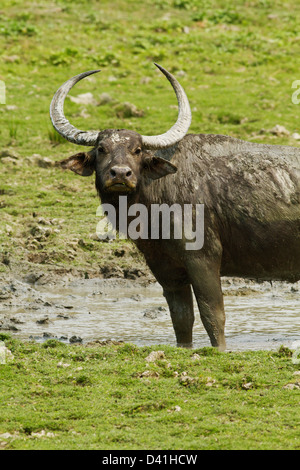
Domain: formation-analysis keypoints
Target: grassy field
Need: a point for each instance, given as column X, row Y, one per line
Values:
column 237, row 62
column 56, row 396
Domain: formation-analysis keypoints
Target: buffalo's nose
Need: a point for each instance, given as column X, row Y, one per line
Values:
column 121, row 172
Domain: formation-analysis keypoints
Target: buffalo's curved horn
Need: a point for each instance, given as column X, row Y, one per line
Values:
column 180, row 128
column 71, row 133
column 59, row 121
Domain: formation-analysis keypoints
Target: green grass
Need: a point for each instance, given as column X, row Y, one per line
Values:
column 101, row 397
column 236, row 61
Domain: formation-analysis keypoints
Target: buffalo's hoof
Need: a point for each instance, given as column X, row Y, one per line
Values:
column 185, row 345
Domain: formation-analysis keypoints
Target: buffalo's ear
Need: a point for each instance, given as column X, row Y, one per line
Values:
column 81, row 163
column 157, row 167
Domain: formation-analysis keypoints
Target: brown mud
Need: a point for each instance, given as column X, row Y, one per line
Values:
column 39, row 302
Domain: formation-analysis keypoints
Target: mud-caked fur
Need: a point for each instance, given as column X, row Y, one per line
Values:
column 251, row 197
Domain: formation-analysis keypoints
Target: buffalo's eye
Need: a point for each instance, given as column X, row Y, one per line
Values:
column 138, row 151
column 101, row 149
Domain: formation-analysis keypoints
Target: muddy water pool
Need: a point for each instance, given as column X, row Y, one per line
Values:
column 258, row 315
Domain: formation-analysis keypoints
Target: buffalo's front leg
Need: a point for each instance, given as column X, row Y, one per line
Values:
column 180, row 302
column 177, row 291
column 212, row 314
column 207, row 289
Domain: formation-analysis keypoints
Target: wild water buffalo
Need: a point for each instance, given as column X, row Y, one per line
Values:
column 250, row 193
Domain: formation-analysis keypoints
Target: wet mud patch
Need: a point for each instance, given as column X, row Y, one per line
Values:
column 258, row 316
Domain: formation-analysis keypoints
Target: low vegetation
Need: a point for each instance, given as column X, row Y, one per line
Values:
column 119, row 396
column 237, row 62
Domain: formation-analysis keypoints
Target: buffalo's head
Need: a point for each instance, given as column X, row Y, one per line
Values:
column 119, row 160
column 119, row 157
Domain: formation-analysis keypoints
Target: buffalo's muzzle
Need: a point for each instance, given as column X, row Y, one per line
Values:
column 120, row 179
column 120, row 172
